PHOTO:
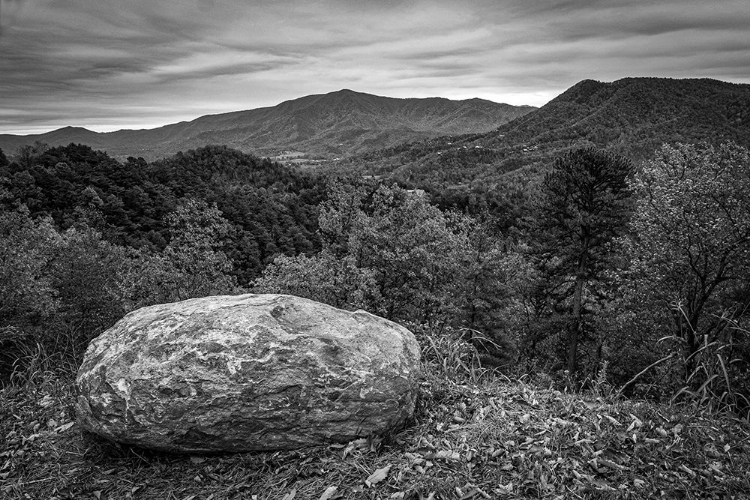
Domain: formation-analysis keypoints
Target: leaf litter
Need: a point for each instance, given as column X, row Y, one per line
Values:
column 495, row 439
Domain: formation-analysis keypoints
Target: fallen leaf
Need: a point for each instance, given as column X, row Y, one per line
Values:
column 613, row 420
column 378, row 476
column 46, row 401
column 355, row 445
column 686, row 469
column 65, row 427
column 610, row 464
column 444, row 454
column 578, row 475
column 601, row 485
column 290, row 495
column 328, row 493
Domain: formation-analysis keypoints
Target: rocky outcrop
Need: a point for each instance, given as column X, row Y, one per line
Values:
column 249, row 372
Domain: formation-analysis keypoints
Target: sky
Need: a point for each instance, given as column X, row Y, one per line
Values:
column 113, row 64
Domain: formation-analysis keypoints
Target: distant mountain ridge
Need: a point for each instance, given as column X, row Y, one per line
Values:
column 334, row 124
column 632, row 116
column 637, row 113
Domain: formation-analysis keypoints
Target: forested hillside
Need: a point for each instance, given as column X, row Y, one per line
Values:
column 632, row 117
column 270, row 208
column 633, row 275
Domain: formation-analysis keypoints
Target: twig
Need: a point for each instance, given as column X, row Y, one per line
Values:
column 642, row 372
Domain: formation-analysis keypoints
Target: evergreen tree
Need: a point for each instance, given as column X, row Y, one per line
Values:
column 584, row 204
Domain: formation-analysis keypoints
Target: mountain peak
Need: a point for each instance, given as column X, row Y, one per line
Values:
column 334, row 125
column 74, row 129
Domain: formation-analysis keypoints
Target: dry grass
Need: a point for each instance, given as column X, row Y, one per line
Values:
column 474, row 436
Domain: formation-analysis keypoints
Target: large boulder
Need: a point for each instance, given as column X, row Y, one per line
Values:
column 248, row 372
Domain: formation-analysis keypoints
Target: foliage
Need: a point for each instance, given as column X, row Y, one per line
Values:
column 399, row 257
column 62, row 288
column 196, row 265
column 689, row 262
column 632, row 117
column 26, row 251
column 584, row 204
column 27, row 296
column 85, row 238
column 271, row 208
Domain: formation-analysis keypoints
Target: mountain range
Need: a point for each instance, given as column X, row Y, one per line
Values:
column 632, row 117
column 326, row 126
column 440, row 143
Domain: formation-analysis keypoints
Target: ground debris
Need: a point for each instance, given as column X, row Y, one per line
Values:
column 497, row 439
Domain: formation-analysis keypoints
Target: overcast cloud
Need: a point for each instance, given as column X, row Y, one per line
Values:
column 106, row 64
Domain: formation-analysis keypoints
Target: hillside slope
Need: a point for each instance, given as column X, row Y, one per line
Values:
column 632, row 116
column 333, row 124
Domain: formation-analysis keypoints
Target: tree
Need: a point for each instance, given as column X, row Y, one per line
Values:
column 27, row 248
column 415, row 251
column 584, row 205
column 689, row 253
column 27, row 155
column 493, row 273
column 391, row 253
column 57, row 289
column 199, row 267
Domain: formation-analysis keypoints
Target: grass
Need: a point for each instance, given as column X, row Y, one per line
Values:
column 474, row 436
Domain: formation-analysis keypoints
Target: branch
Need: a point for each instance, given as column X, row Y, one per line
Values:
column 642, row 372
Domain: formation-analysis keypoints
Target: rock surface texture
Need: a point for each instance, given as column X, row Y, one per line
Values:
column 249, row 372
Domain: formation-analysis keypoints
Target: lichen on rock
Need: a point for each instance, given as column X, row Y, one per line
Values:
column 248, row 372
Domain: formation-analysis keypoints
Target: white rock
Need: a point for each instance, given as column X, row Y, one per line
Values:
column 249, row 372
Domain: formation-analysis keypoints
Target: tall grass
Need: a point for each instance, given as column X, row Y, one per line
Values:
column 451, row 356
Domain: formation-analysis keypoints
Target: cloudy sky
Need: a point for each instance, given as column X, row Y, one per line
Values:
column 112, row 64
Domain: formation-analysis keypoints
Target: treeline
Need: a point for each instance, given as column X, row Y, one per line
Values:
column 84, row 239
column 632, row 117
column 636, row 276
column 631, row 277
column 271, row 208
